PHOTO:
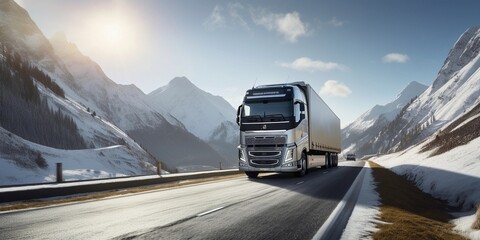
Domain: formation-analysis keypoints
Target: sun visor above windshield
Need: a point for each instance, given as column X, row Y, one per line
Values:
column 280, row 93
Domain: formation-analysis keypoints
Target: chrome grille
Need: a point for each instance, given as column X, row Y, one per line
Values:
column 265, row 153
column 266, row 140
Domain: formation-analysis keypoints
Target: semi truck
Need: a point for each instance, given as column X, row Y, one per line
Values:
column 286, row 128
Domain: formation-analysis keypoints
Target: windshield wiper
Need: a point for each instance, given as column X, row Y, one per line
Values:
column 257, row 118
column 276, row 115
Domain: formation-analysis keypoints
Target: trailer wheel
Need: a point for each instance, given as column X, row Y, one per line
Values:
column 327, row 160
column 252, row 174
column 302, row 172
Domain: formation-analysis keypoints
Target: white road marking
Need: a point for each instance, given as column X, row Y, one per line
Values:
column 300, row 182
column 210, row 211
column 325, row 172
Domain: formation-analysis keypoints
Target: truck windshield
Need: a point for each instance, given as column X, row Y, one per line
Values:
column 267, row 111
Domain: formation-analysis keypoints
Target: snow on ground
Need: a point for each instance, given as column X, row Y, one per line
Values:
column 112, row 161
column 453, row 176
column 463, row 224
column 364, row 218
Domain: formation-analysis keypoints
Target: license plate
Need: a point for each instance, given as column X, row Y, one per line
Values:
column 265, row 169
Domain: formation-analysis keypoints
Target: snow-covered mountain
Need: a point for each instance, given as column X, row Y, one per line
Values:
column 124, row 104
column 200, row 111
column 209, row 117
column 455, row 91
column 107, row 114
column 147, row 122
column 368, row 125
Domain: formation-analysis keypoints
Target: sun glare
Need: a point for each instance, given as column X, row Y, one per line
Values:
column 112, row 34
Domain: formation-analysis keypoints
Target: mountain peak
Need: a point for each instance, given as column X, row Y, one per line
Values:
column 181, row 82
column 62, row 46
column 413, row 86
column 59, row 37
column 465, row 49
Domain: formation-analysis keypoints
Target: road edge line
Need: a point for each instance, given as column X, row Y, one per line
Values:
column 333, row 227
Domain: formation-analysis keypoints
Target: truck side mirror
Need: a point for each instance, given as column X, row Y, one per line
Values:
column 302, row 111
column 238, row 114
column 302, row 107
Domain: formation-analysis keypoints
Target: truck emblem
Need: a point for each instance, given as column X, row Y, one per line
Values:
column 264, row 127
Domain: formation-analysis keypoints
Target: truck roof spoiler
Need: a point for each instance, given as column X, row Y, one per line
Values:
column 301, row 84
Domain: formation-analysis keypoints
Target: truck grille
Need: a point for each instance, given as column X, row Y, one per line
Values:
column 265, row 153
column 266, row 140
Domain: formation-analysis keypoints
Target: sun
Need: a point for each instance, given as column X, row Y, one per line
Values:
column 112, row 34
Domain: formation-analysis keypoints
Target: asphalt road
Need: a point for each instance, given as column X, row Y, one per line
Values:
column 274, row 206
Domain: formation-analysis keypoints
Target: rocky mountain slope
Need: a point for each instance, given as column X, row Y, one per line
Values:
column 455, row 91
column 368, row 125
column 209, row 117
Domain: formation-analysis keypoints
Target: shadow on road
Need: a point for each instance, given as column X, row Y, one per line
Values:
column 320, row 183
column 333, row 183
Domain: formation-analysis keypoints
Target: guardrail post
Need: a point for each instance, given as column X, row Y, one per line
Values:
column 159, row 168
column 59, row 173
column 221, row 167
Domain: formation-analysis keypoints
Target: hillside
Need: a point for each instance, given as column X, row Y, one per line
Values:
column 366, row 127
column 453, row 92
column 210, row 118
column 67, row 110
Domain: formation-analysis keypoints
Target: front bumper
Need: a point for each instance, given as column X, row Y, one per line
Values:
column 243, row 166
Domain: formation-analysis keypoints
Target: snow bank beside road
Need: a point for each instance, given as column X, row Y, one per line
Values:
column 453, row 176
column 364, row 218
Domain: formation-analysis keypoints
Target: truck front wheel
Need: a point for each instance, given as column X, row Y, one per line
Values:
column 303, row 171
column 252, row 174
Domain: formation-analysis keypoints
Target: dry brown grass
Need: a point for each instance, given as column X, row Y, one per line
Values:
column 409, row 212
column 476, row 224
column 92, row 196
column 449, row 138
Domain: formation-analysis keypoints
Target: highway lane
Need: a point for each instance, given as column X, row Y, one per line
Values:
column 275, row 206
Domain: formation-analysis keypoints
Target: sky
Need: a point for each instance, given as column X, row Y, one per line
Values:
column 355, row 54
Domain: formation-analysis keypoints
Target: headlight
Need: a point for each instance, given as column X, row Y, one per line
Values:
column 289, row 156
column 241, row 155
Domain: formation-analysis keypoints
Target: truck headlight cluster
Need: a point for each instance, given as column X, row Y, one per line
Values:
column 241, row 155
column 289, row 156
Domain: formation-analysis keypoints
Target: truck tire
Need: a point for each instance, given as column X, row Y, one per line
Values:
column 252, row 174
column 303, row 171
column 327, row 160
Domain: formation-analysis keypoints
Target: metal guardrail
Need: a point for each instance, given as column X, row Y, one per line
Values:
column 47, row 190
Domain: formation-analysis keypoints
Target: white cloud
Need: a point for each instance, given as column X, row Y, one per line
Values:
column 334, row 88
column 335, row 22
column 309, row 65
column 289, row 25
column 216, row 19
column 395, row 58
column 224, row 16
column 236, row 12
